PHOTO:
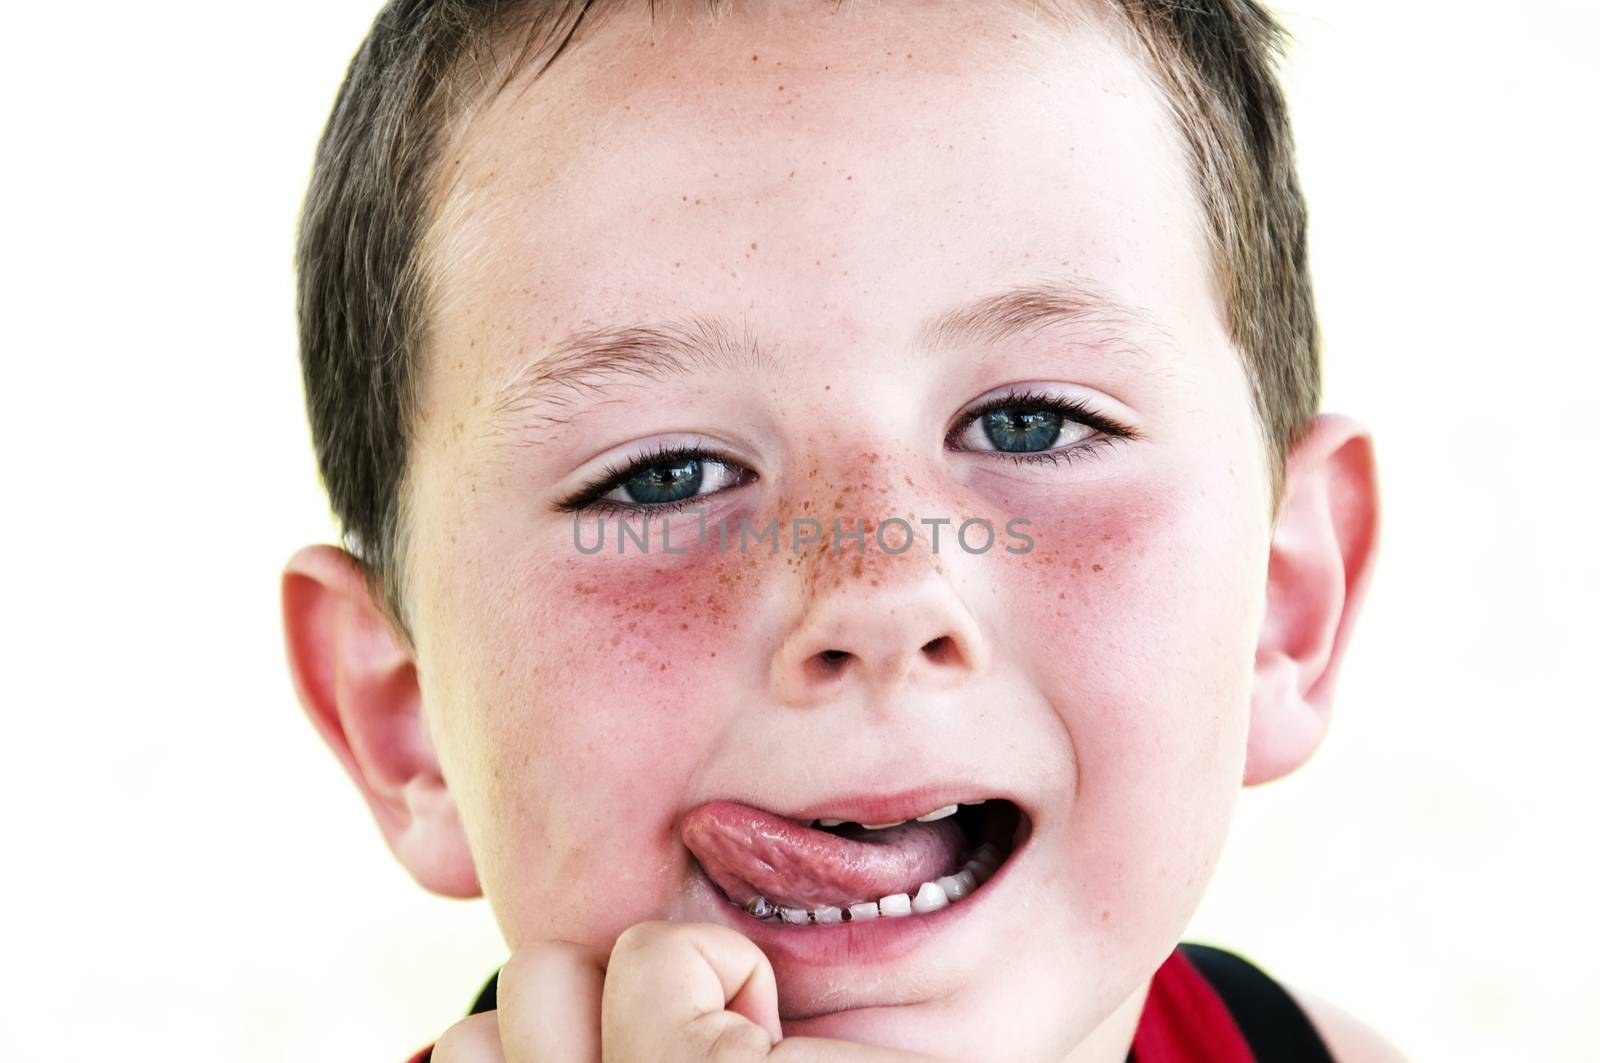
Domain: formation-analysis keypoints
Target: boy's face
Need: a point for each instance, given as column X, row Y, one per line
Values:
column 827, row 184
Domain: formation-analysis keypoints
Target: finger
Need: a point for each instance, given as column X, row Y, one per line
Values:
column 676, row 989
column 549, row 1001
column 475, row 1039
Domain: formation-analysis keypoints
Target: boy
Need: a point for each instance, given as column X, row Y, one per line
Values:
column 649, row 350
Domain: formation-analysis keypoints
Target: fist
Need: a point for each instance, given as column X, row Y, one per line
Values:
column 668, row 993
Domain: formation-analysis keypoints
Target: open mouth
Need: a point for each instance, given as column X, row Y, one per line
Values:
column 828, row 870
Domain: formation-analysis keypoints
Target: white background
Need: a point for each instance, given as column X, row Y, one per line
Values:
column 188, row 875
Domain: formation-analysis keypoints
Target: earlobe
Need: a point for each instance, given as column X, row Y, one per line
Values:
column 1323, row 546
column 357, row 681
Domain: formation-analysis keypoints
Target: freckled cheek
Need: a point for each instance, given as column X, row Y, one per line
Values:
column 1134, row 617
column 595, row 697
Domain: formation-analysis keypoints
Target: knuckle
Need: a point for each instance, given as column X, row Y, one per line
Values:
column 640, row 938
column 520, row 969
column 731, row 1039
column 472, row 1039
column 527, row 967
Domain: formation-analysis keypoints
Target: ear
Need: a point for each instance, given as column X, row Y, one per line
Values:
column 357, row 680
column 1323, row 546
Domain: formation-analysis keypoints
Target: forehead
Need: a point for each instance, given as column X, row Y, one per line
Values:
column 828, row 173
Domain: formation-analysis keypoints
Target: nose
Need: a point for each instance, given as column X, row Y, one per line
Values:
column 884, row 622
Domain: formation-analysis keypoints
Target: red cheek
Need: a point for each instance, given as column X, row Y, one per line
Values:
column 1090, row 567
column 651, row 616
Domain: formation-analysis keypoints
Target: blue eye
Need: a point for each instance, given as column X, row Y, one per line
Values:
column 1035, row 427
column 667, row 480
column 1019, row 430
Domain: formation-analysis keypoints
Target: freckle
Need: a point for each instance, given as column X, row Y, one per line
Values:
column 663, row 666
column 874, row 583
column 632, row 624
column 753, row 58
column 752, row 246
column 780, row 88
column 615, row 639
column 1061, row 594
column 791, row 173
column 1097, row 568
column 1104, row 915
column 683, row 627
column 1076, row 564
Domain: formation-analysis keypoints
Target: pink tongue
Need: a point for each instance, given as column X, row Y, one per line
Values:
column 750, row 853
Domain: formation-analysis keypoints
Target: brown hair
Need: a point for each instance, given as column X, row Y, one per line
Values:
column 362, row 293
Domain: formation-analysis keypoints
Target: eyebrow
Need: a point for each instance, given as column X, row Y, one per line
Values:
column 1024, row 310
column 578, row 366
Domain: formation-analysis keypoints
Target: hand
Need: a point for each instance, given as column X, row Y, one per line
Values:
column 670, row 993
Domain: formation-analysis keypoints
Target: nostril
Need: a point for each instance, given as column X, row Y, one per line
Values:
column 824, row 666
column 941, row 650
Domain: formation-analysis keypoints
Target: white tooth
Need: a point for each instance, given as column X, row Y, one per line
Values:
column 860, row 913
column 829, row 822
column 795, row 915
column 938, row 813
column 827, row 913
column 882, row 826
column 895, row 904
column 979, row 871
column 930, row 898
column 954, row 887
column 968, row 880
column 974, row 802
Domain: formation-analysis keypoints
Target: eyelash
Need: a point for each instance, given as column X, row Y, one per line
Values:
column 613, row 476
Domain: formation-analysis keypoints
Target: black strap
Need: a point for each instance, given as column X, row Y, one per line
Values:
column 486, row 995
column 1273, row 1024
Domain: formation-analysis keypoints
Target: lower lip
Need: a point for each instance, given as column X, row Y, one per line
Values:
column 885, row 939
